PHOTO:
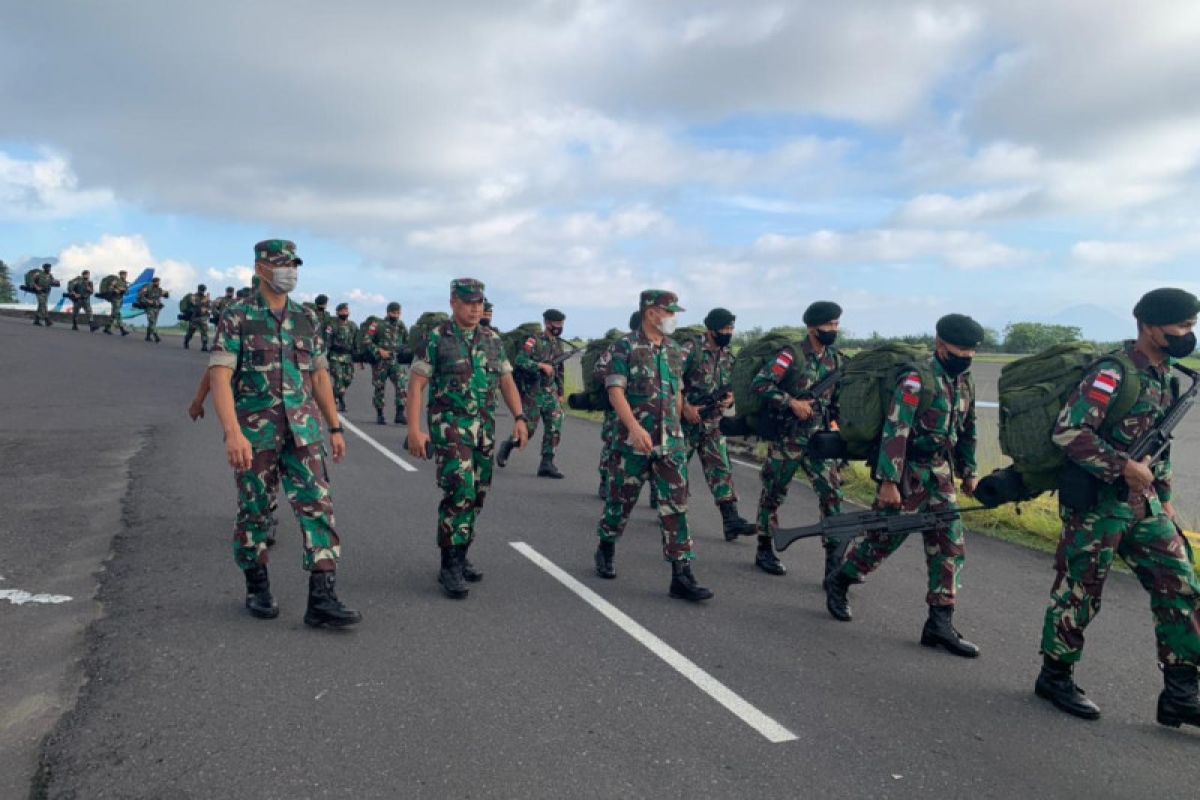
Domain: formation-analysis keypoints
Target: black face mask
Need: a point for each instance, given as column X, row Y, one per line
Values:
column 827, row 338
column 554, row 330
column 722, row 339
column 343, row 317
column 1180, row 346
column 955, row 365
column 485, row 323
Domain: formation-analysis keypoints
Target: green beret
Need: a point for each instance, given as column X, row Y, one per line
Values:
column 959, row 330
column 821, row 312
column 719, row 318
column 1166, row 307
column 393, row 306
column 467, row 290
column 553, row 315
column 635, row 320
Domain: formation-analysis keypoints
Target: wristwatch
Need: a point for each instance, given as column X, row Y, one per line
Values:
column 336, row 429
column 520, row 418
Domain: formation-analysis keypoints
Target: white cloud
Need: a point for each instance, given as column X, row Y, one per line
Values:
column 45, row 188
column 367, row 298
column 1121, row 254
column 233, row 276
column 132, row 253
column 961, row 249
column 944, row 210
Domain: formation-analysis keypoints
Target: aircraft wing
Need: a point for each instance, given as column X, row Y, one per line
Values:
column 127, row 309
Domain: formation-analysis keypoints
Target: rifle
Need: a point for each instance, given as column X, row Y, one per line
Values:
column 772, row 424
column 709, row 405
column 843, row 528
column 562, row 358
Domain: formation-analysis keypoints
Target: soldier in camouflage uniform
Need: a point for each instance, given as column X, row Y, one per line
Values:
column 117, row 298
column 270, row 380
column 783, row 383
column 541, row 382
column 150, row 298
column 221, row 303
column 707, row 394
column 385, row 338
column 918, row 459
column 462, row 365
column 486, row 320
column 1129, row 514
column 43, row 282
column 198, row 313
column 340, row 333
column 80, row 292
column 608, row 427
column 645, row 388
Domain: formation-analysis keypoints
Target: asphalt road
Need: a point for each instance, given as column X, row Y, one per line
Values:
column 523, row 690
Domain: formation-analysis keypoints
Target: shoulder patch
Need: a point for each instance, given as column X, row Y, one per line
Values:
column 529, row 343
column 911, row 383
column 783, row 362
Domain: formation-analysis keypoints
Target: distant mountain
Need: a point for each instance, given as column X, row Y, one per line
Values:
column 1095, row 322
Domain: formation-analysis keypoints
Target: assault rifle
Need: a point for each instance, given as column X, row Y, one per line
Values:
column 562, row 358
column 843, row 528
column 709, row 405
column 772, row 424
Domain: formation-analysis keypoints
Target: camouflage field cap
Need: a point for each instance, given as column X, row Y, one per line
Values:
column 277, row 253
column 468, row 290
column 661, row 298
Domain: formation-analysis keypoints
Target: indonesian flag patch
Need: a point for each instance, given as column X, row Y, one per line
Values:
column 529, row 343
column 783, row 363
column 1103, row 386
column 910, row 389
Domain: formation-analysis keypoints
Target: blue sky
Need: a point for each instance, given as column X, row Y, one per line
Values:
column 906, row 159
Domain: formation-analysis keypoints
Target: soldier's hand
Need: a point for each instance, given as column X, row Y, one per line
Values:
column 196, row 410
column 691, row 413
column 1169, row 510
column 385, row 354
column 727, row 400
column 1138, row 475
column 968, row 486
column 547, row 370
column 239, row 452
column 803, row 409
column 640, row 441
column 417, row 440
column 889, row 495
column 337, row 442
column 521, row 434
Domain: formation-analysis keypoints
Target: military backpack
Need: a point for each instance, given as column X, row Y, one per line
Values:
column 361, row 354
column 30, row 284
column 106, row 287
column 867, row 387
column 594, row 396
column 750, row 411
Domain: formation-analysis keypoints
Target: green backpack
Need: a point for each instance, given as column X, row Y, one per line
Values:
column 418, row 334
column 748, row 362
column 1034, row 390
column 866, row 389
column 594, row 396
column 106, row 287
column 361, row 354
column 30, row 284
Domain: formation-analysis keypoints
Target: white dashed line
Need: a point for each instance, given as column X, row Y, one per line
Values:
column 395, row 459
column 19, row 597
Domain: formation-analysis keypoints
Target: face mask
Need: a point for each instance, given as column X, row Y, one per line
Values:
column 827, row 338
column 486, row 323
column 722, row 339
column 343, row 317
column 284, row 279
column 554, row 330
column 955, row 365
column 668, row 325
column 1180, row 346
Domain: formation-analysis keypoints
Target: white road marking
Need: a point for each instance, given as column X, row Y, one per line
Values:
column 986, row 404
column 19, row 597
column 395, row 459
column 772, row 730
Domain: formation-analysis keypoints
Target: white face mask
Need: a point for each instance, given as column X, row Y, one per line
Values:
column 668, row 325
column 284, row 279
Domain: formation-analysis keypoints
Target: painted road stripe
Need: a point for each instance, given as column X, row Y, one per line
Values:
column 772, row 730
column 19, row 597
column 395, row 459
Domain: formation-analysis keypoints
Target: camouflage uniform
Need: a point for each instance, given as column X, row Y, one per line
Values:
column 608, row 428
column 220, row 304
column 708, row 373
column 43, row 282
column 198, row 313
column 541, row 395
column 464, row 370
column 80, row 291
column 119, row 287
column 390, row 335
column 339, row 336
column 779, row 382
column 151, row 299
column 273, row 359
column 914, row 453
column 1133, row 527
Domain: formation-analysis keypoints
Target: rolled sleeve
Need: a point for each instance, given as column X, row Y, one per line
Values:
column 619, row 381
column 506, row 367
column 220, row 358
column 321, row 361
column 423, row 368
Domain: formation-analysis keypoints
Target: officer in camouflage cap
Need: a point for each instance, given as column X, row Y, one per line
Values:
column 462, row 365
column 340, row 333
column 645, row 387
column 270, row 380
column 919, row 455
column 1127, row 512
column 199, row 309
column 384, row 339
column 150, row 298
column 541, row 382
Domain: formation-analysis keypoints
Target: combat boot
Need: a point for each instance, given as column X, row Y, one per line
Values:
column 147, row 337
column 379, row 420
column 157, row 338
column 125, row 332
column 324, row 608
column 187, row 342
column 470, row 574
column 837, row 596
column 1056, row 684
column 74, row 326
column 341, row 404
column 259, row 601
column 939, row 630
column 93, row 327
column 683, row 583
column 37, row 322
column 547, row 469
column 504, row 451
column 732, row 522
column 49, row 322
column 451, row 574
column 108, row 331
column 204, row 348
column 653, row 496
column 766, row 560
column 399, row 416
column 604, row 560
column 832, row 559
column 1180, row 698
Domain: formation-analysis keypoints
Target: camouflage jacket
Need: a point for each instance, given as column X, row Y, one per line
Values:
column 151, row 296
column 652, row 377
column 464, row 370
column 80, row 289
column 1098, row 445
column 339, row 336
column 707, row 373
column 783, row 379
column 540, row 349
column 200, row 307
column 119, row 287
column 220, row 304
column 384, row 334
column 273, row 359
column 44, row 282
column 946, row 428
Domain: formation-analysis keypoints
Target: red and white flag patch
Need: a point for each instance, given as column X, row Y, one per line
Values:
column 1103, row 386
column 910, row 388
column 783, row 362
column 529, row 343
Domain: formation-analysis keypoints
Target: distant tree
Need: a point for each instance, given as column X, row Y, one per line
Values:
column 991, row 340
column 8, row 293
column 1030, row 337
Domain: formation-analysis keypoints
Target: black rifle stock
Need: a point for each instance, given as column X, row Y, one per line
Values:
column 843, row 528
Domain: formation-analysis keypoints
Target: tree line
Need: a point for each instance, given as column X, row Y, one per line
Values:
column 1017, row 337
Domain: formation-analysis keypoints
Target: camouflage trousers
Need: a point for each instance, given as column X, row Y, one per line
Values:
column 544, row 405
column 195, row 325
column 923, row 487
column 114, row 315
column 81, row 305
column 301, row 470
column 152, row 321
column 608, row 433
column 1157, row 553
column 341, row 369
column 627, row 471
column 706, row 439
column 783, row 459
column 42, row 314
column 385, row 371
column 463, row 450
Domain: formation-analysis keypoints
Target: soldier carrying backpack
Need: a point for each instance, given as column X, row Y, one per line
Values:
column 40, row 282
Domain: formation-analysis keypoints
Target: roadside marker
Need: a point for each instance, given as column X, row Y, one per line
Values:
column 395, row 459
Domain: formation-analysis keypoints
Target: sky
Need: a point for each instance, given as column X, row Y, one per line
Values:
column 1013, row 161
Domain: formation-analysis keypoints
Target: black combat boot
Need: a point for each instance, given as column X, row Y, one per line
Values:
column 1056, row 684
column 832, row 559
column 187, row 342
column 74, row 326
column 470, row 574
column 766, row 560
column 204, row 348
column 504, row 451
column 837, row 597
column 125, row 332
column 157, row 338
column 108, row 331
column 732, row 522
column 259, row 601
column 547, row 469
column 400, row 416
column 653, row 495
column 604, row 560
column 37, row 322
column 93, row 327
column 379, row 420
column 341, row 404
column 683, row 583
column 324, row 608
column 1179, row 701
column 938, row 630
column 147, row 337
column 451, row 574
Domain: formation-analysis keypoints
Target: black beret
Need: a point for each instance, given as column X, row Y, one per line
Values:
column 340, row 306
column 959, row 330
column 719, row 318
column 243, row 292
column 553, row 315
column 322, row 299
column 1166, row 307
column 393, row 306
column 635, row 320
column 821, row 312
column 202, row 288
column 45, row 266
column 487, row 306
